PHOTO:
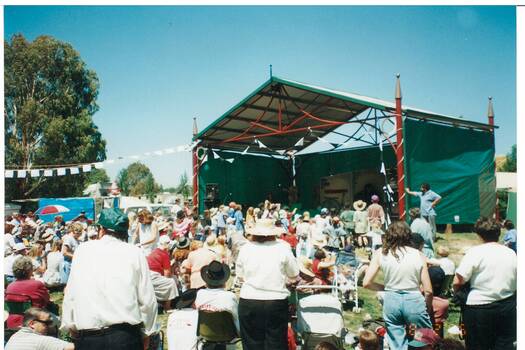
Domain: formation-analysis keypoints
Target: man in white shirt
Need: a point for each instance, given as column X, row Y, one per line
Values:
column 33, row 334
column 215, row 298
column 182, row 322
column 109, row 302
column 19, row 250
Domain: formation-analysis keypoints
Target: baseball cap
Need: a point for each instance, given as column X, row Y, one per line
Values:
column 423, row 337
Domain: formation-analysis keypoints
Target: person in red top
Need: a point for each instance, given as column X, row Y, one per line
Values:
column 291, row 239
column 181, row 225
column 24, row 285
column 321, row 266
column 160, row 272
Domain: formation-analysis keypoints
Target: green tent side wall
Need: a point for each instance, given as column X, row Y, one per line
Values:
column 511, row 208
column 312, row 167
column 248, row 180
column 458, row 164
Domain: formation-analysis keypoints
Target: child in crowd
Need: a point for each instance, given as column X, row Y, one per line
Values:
column 368, row 340
column 445, row 263
column 375, row 234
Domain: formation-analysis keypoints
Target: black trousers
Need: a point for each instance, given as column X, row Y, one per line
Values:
column 491, row 326
column 125, row 338
column 264, row 324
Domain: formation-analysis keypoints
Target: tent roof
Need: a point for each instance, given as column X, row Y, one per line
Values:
column 301, row 107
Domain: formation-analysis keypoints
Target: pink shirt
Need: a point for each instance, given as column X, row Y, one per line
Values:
column 197, row 259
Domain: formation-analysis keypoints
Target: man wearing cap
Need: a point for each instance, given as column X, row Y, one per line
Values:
column 214, row 297
column 109, row 302
column 160, row 272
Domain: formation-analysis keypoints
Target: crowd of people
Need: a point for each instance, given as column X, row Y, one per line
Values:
column 120, row 271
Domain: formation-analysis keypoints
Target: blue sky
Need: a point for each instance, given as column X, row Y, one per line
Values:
column 161, row 66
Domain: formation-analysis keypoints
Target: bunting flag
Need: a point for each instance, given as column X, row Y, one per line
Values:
column 246, row 150
column 48, row 172
column 99, row 165
column 74, row 171
column 261, row 145
column 61, row 171
column 86, row 168
column 230, row 160
column 21, row 174
column 9, row 173
column 216, row 155
column 281, row 152
column 35, row 173
column 300, row 142
column 322, row 140
column 383, row 170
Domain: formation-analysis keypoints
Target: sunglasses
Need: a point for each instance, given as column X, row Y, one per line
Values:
column 47, row 322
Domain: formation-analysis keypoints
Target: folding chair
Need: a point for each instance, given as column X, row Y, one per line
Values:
column 217, row 329
column 17, row 304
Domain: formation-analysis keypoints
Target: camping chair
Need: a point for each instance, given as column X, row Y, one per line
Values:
column 17, row 304
column 216, row 328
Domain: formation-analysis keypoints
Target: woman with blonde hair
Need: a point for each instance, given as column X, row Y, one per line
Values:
column 39, row 264
column 147, row 232
column 54, row 261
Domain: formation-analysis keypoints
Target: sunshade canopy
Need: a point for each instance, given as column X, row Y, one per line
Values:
column 281, row 112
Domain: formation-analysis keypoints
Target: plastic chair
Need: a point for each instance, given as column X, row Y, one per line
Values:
column 17, row 304
column 216, row 328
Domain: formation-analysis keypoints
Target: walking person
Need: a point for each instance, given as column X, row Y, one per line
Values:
column 428, row 200
column 147, row 232
column 405, row 271
column 361, row 223
column 265, row 264
column 490, row 310
column 109, row 302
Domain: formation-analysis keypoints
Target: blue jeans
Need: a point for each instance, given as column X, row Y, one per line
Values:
column 401, row 309
column 64, row 273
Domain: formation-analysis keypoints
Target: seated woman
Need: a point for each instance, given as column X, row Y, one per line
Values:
column 25, row 285
column 322, row 264
column 55, row 259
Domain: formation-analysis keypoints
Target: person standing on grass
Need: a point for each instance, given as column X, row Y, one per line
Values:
column 405, row 271
column 490, row 310
column 429, row 199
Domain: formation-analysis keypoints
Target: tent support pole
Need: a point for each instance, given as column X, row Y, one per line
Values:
column 400, row 156
column 195, row 168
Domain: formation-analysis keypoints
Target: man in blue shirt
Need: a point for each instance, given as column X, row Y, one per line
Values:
column 510, row 236
column 429, row 199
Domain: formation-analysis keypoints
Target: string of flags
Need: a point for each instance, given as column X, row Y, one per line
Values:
column 75, row 169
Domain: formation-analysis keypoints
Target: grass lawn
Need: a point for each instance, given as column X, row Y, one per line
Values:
column 456, row 242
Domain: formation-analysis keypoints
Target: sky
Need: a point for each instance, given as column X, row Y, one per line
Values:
column 160, row 66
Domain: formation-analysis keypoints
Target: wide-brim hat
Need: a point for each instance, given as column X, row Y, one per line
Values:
column 186, row 299
column 359, row 205
column 215, row 274
column 182, row 243
column 163, row 225
column 264, row 227
column 305, row 266
column 47, row 236
column 114, row 219
column 19, row 247
column 213, row 211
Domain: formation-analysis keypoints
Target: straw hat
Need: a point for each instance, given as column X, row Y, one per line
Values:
column 359, row 205
column 264, row 227
column 306, row 216
column 305, row 266
column 213, row 211
column 48, row 235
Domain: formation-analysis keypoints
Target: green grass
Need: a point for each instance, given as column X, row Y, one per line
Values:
column 456, row 244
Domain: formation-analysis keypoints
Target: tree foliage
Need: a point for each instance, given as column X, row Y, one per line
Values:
column 97, row 176
column 50, row 98
column 510, row 164
column 184, row 187
column 137, row 180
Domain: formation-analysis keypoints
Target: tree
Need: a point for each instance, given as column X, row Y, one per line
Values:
column 50, row 98
column 137, row 180
column 184, row 187
column 97, row 176
column 510, row 164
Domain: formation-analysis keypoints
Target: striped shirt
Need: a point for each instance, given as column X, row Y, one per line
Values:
column 26, row 339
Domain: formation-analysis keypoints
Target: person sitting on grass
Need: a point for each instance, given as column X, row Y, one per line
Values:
column 33, row 334
column 440, row 305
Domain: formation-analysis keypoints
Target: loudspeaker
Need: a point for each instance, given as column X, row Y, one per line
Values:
column 212, row 195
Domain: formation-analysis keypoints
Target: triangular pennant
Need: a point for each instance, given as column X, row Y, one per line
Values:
column 9, row 173
column 281, row 152
column 261, row 145
column 322, row 140
column 216, row 155
column 230, row 160
column 382, row 171
column 246, row 150
column 61, row 171
column 86, row 168
column 48, row 172
column 74, row 170
column 300, row 142
column 99, row 165
column 21, row 174
column 35, row 173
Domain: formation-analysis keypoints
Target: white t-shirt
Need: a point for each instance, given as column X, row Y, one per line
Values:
column 8, row 263
column 9, row 243
column 447, row 265
column 402, row 273
column 182, row 329
column 491, row 270
column 218, row 300
column 376, row 237
column 264, row 267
